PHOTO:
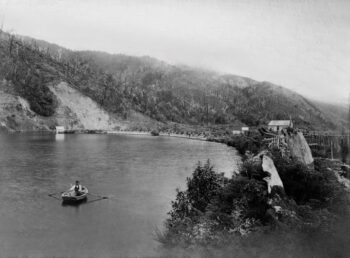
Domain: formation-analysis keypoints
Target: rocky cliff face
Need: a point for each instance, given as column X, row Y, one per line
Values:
column 74, row 111
column 299, row 148
column 15, row 114
column 273, row 179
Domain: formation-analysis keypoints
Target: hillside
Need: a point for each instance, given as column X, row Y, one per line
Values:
column 139, row 90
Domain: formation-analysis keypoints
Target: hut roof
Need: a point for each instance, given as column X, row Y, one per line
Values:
column 280, row 123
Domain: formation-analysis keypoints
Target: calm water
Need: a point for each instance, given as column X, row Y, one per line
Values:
column 138, row 173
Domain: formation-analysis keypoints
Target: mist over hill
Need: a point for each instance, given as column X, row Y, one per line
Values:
column 124, row 86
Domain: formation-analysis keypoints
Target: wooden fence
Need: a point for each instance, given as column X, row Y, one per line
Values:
column 334, row 144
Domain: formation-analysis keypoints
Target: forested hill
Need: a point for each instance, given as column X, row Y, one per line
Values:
column 122, row 84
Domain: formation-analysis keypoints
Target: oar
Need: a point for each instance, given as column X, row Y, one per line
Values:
column 106, row 197
column 96, row 195
column 100, row 199
column 53, row 195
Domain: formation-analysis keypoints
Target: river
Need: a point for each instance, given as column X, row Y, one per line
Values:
column 139, row 174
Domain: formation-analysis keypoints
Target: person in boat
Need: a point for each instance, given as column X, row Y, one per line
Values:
column 77, row 188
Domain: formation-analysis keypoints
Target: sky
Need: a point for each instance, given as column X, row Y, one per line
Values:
column 303, row 45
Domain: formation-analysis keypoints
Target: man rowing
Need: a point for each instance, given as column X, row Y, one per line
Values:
column 77, row 188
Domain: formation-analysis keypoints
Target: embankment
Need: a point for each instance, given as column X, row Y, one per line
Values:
column 277, row 204
column 75, row 111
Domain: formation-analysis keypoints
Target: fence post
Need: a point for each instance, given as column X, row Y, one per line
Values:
column 332, row 149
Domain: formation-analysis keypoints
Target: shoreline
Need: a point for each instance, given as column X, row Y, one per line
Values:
column 128, row 132
column 99, row 131
column 198, row 138
column 160, row 134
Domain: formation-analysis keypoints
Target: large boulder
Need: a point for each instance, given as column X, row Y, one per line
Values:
column 299, row 148
column 273, row 180
column 3, row 128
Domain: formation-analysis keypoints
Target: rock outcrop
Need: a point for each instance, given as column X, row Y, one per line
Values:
column 299, row 148
column 75, row 111
column 274, row 179
column 15, row 115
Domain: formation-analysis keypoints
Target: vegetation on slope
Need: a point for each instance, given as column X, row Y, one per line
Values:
column 185, row 95
column 22, row 66
column 30, row 70
column 121, row 84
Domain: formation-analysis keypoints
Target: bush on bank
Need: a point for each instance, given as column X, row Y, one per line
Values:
column 242, row 143
column 232, row 214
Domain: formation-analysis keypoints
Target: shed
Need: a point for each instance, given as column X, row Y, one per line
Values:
column 60, row 129
column 236, row 132
column 278, row 125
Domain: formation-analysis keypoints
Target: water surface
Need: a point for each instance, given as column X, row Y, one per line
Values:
column 138, row 173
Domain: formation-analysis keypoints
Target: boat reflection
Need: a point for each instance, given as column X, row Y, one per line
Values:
column 59, row 137
column 74, row 203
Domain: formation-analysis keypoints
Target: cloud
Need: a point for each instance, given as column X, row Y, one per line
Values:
column 302, row 45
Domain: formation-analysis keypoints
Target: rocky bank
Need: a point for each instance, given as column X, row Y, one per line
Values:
column 75, row 111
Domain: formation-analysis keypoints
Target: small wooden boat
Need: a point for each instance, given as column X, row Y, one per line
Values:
column 72, row 196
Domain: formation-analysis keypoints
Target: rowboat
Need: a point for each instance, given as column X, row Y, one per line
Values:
column 72, row 196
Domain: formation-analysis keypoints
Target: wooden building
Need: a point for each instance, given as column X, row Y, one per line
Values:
column 60, row 129
column 278, row 125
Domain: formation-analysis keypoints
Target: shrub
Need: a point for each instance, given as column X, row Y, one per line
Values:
column 306, row 185
column 215, row 203
column 41, row 100
column 203, row 185
column 243, row 144
column 237, row 201
column 155, row 132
